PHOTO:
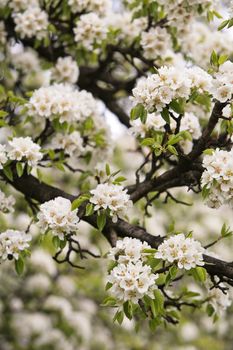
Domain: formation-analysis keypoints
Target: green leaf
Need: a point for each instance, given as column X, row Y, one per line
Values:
column 19, row 168
column 119, row 179
column 78, row 201
column 165, row 115
column 171, row 274
column 8, row 172
column 101, row 220
column 3, row 114
column 19, row 266
column 205, row 192
column 89, row 209
column 210, row 310
column 153, row 324
column 230, row 24
column 109, row 301
column 119, row 317
column 108, row 286
column 208, row 151
column 177, row 106
column 157, row 304
column 222, row 59
column 223, row 24
column 214, row 58
column 199, row 274
column 59, row 166
column 56, row 242
column 138, row 111
column 128, row 309
column 147, row 142
column 172, row 150
column 39, row 174
column 107, row 169
column 225, row 231
column 173, row 139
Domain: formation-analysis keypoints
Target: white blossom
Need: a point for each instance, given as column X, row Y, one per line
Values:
column 218, row 178
column 26, row 61
column 112, row 197
column 66, row 70
column 63, row 102
column 23, row 148
column 227, row 111
column 158, row 90
column 179, row 13
column 199, row 40
column 219, row 300
column 132, row 281
column 186, row 252
column 128, row 28
column 32, row 22
column 155, row 42
column 153, row 122
column 6, row 203
column 128, row 249
column 19, row 5
column 57, row 215
column 72, row 144
column 223, row 82
column 98, row 6
column 3, row 155
column 190, row 123
column 231, row 9
column 12, row 242
column 90, row 30
column 2, row 33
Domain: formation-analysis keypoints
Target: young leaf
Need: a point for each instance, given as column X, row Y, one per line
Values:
column 19, row 266
column 8, row 172
column 101, row 220
column 19, row 168
column 89, row 209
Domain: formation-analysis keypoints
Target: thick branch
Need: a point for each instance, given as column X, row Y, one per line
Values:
column 33, row 188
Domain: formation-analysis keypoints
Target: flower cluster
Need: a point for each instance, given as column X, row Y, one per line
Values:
column 128, row 28
column 32, row 22
column 191, row 123
column 223, row 82
column 63, row 102
column 72, row 144
column 131, row 279
column 99, row 6
column 6, row 203
column 128, row 249
column 155, row 42
column 57, row 215
column 26, row 61
column 228, row 111
column 158, row 90
column 217, row 178
column 219, row 300
column 186, row 252
column 2, row 33
column 23, row 148
column 180, row 12
column 153, row 122
column 3, row 156
column 21, row 5
column 198, row 40
column 66, row 70
column 90, row 30
column 12, row 242
column 112, row 197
